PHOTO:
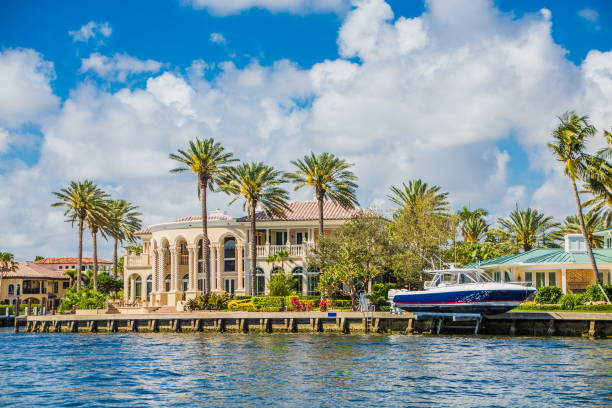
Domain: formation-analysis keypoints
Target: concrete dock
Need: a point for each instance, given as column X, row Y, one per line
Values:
column 512, row 324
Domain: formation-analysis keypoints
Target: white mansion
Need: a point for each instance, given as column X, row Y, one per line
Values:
column 170, row 267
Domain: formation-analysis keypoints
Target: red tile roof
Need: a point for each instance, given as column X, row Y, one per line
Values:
column 33, row 271
column 69, row 260
column 308, row 211
column 143, row 231
column 216, row 215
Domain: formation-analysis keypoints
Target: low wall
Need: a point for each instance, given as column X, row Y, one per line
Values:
column 527, row 324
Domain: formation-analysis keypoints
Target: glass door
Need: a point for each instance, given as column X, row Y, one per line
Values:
column 230, row 286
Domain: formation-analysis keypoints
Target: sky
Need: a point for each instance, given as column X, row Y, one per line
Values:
column 463, row 94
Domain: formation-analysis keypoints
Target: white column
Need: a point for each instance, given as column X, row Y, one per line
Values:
column 288, row 242
column 220, row 268
column 154, row 271
column 126, row 295
column 564, row 280
column 267, row 236
column 173, row 269
column 162, row 269
column 132, row 289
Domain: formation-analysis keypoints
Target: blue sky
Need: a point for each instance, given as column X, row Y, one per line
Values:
column 393, row 86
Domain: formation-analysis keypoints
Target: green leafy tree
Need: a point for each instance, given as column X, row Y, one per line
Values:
column 417, row 192
column 281, row 257
column 282, row 284
column 80, row 199
column 592, row 223
column 124, row 222
column 343, row 275
column 569, row 148
column 7, row 262
column 527, row 227
column 38, row 258
column 331, row 179
column 209, row 161
column 108, row 284
column 259, row 186
column 471, row 222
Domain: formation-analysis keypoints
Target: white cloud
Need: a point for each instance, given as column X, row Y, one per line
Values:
column 4, row 139
column 589, row 15
column 118, row 67
column 430, row 97
column 217, row 38
column 25, row 81
column 224, row 7
column 91, row 30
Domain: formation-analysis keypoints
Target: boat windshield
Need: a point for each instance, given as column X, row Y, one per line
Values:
column 447, row 277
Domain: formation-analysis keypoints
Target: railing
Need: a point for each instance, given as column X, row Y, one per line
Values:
column 138, row 260
column 293, row 250
column 33, row 291
column 183, row 259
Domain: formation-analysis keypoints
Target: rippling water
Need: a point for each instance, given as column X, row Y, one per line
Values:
column 302, row 370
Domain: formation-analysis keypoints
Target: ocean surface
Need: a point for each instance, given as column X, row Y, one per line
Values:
column 302, row 370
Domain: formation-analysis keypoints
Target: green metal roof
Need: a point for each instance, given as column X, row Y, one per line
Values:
column 547, row 256
column 603, row 230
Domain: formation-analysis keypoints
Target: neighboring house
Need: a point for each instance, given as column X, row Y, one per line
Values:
column 35, row 282
column 65, row 263
column 170, row 268
column 568, row 268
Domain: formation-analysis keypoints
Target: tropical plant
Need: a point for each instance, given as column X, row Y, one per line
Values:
column 84, row 298
column 259, row 185
column 281, row 257
column 124, row 222
column 469, row 224
column 600, row 204
column 38, row 258
column 548, row 294
column 331, row 179
column 209, row 161
column 7, row 262
column 282, row 284
column 97, row 220
column 526, row 227
column 80, row 199
column 418, row 192
column 108, row 284
column 343, row 276
column 592, row 223
column 569, row 148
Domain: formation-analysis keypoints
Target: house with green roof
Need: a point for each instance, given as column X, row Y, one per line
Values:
column 568, row 268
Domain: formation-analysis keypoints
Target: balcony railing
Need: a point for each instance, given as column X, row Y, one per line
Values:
column 296, row 251
column 138, row 260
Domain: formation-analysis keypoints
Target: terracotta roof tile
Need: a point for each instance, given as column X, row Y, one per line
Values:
column 69, row 260
column 308, row 211
column 143, row 231
column 31, row 270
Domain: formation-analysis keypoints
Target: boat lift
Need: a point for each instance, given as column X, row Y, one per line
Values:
column 455, row 317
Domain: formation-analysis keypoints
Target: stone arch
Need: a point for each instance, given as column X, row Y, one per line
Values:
column 178, row 238
column 11, row 289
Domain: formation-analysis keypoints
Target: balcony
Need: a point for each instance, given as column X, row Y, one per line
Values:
column 138, row 260
column 295, row 251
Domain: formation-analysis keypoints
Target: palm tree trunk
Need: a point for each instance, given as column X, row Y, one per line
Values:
column 94, row 236
column 253, row 248
column 115, row 260
column 584, row 233
column 79, row 266
column 205, row 241
column 320, row 202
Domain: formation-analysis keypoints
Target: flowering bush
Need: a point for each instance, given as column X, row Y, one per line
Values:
column 309, row 305
column 323, row 306
column 296, row 305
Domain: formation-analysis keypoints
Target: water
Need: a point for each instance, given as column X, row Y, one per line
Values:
column 302, row 370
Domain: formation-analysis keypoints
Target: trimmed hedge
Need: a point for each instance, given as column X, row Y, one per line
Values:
column 260, row 302
column 240, row 305
column 548, row 294
column 559, row 308
column 340, row 304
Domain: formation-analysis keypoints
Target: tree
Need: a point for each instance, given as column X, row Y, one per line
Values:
column 467, row 216
column 124, row 222
column 474, row 229
column 343, row 275
column 209, row 161
column 97, row 220
column 38, row 258
column 282, row 284
column 592, row 223
column 526, row 227
column 281, row 257
column 417, row 192
column 259, row 185
column 331, row 179
column 79, row 199
column 569, row 148
column 7, row 262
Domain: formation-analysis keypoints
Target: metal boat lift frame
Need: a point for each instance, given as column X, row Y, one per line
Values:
column 455, row 317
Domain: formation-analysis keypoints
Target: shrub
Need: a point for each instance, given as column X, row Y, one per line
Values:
column 341, row 304
column 271, row 309
column 296, row 305
column 593, row 293
column 241, row 305
column 548, row 294
column 3, row 309
column 570, row 301
column 380, row 292
column 260, row 302
column 282, row 284
column 309, row 305
column 209, row 301
column 86, row 298
column 323, row 306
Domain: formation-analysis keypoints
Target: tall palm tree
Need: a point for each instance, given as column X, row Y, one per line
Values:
column 259, row 186
column 593, row 222
column 465, row 216
column 569, row 148
column 527, row 226
column 417, row 192
column 474, row 229
column 7, row 262
column 123, row 224
column 79, row 199
column 209, row 161
column 97, row 220
column 331, row 179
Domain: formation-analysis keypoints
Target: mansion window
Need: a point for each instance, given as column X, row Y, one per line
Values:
column 65, row 285
column 229, row 254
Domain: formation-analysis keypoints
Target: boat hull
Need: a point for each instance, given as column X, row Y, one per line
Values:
column 487, row 300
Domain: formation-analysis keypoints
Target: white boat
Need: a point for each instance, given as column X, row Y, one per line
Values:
column 462, row 291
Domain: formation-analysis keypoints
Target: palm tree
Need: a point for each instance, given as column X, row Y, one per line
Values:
column 80, row 198
column 331, row 178
column 474, row 229
column 124, row 223
column 209, row 161
column 569, row 148
column 465, row 215
column 97, row 220
column 258, row 184
column 7, row 262
column 281, row 257
column 601, row 202
column 593, row 222
column 527, row 226
column 418, row 192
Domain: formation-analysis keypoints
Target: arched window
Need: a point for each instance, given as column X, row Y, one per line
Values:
column 229, row 254
column 11, row 289
column 138, row 287
column 185, row 282
column 313, row 281
column 200, row 252
column 167, row 282
column 149, row 286
column 260, row 282
column 298, row 274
